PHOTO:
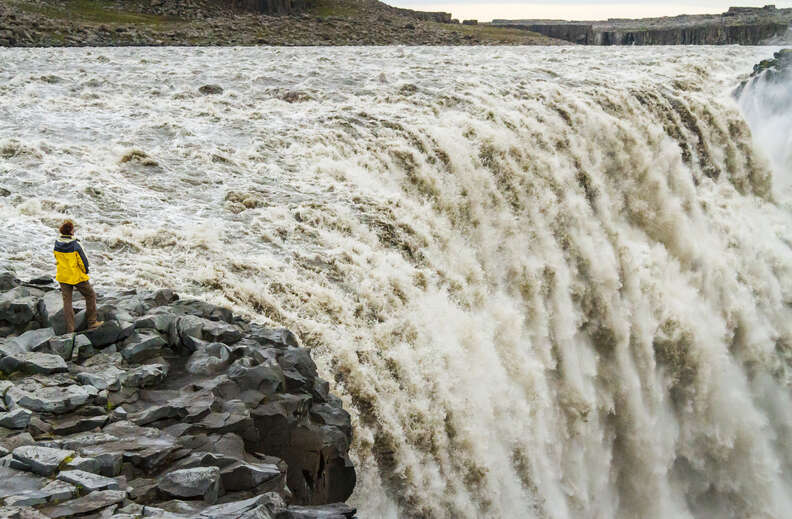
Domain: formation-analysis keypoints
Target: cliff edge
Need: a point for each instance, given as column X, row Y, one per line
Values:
column 172, row 409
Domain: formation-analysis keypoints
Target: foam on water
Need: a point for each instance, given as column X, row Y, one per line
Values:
column 546, row 282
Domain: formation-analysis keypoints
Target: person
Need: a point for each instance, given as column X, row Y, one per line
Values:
column 73, row 273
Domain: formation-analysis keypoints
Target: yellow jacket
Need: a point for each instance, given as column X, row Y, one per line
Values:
column 71, row 260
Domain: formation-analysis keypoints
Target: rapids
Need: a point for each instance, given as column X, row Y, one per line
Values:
column 547, row 282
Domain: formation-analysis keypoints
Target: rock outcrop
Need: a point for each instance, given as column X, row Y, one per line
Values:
column 775, row 70
column 172, row 409
column 743, row 26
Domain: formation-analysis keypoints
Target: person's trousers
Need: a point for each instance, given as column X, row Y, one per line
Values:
column 88, row 293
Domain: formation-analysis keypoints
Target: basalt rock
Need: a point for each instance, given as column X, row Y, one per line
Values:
column 169, row 407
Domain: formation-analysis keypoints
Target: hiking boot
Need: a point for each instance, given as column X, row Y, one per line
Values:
column 94, row 326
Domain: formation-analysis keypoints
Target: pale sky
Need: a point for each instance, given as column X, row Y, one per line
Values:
column 575, row 9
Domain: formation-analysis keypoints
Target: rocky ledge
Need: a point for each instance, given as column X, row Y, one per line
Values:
column 776, row 70
column 171, row 409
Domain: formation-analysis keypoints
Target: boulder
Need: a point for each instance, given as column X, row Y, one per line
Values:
column 93, row 502
column 86, row 481
column 147, row 375
column 33, row 363
column 201, row 482
column 107, row 334
column 16, row 482
column 332, row 511
column 16, row 419
column 62, row 345
column 19, row 305
column 56, row 400
column 52, row 492
column 43, row 461
column 210, row 90
column 142, row 345
column 29, row 341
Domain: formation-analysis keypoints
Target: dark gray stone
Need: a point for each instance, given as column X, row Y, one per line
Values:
column 209, row 360
column 44, row 461
column 52, row 492
column 56, row 400
column 201, row 482
column 332, row 511
column 247, row 375
column 93, row 502
column 87, row 481
column 77, row 424
column 142, row 345
column 16, row 419
column 62, row 345
column 105, row 335
column 147, row 375
column 33, row 363
column 18, row 306
column 29, row 341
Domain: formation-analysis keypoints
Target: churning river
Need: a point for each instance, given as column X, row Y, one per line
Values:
column 546, row 282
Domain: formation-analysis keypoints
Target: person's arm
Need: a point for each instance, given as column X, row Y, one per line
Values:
column 83, row 257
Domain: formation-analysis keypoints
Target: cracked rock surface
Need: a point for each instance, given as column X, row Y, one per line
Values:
column 172, row 409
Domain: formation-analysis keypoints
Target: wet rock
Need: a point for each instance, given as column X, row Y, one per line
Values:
column 142, row 345
column 211, row 89
column 93, row 502
column 32, row 363
column 44, row 461
column 87, row 481
column 201, row 482
column 332, row 511
column 16, row 419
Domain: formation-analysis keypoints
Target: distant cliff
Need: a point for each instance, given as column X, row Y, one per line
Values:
column 109, row 23
column 739, row 25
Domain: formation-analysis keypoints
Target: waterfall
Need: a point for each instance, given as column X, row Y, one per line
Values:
column 547, row 283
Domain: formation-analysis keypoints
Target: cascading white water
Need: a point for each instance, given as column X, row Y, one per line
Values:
column 549, row 283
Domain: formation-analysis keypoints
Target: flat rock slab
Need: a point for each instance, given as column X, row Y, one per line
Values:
column 53, row 492
column 56, row 400
column 28, row 341
column 333, row 511
column 13, row 482
column 88, row 481
column 189, row 483
column 91, row 503
column 42, row 460
column 19, row 418
column 141, row 346
column 77, row 424
column 20, row 512
column 33, row 363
